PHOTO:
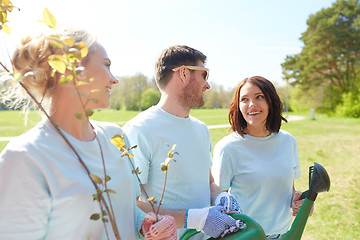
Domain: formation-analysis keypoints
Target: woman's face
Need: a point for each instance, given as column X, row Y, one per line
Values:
column 98, row 68
column 253, row 106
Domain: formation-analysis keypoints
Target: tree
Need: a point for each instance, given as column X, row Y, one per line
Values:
column 331, row 52
column 149, row 97
column 127, row 94
column 217, row 97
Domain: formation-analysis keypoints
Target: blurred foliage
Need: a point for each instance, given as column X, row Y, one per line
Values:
column 218, row 97
column 327, row 69
column 6, row 6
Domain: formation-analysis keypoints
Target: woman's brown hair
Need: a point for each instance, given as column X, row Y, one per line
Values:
column 274, row 118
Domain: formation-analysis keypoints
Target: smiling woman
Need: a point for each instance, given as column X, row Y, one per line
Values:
column 65, row 161
column 258, row 162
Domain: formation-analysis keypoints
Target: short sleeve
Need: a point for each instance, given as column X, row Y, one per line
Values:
column 221, row 169
column 296, row 160
column 25, row 198
column 142, row 153
column 133, row 167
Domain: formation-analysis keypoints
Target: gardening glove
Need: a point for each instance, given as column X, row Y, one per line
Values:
column 227, row 201
column 296, row 203
column 164, row 228
column 212, row 221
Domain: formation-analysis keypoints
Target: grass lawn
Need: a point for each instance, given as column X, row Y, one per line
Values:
column 332, row 142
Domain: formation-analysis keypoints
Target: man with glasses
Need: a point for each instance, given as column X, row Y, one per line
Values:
column 190, row 189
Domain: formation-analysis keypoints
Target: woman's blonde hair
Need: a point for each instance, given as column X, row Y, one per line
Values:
column 30, row 60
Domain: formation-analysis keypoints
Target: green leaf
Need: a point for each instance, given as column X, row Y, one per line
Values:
column 6, row 29
column 96, row 179
column 136, row 171
column 76, row 53
column 59, row 66
column 95, row 197
column 107, row 178
column 109, row 191
column 49, row 19
column 164, row 167
column 95, row 90
column 118, row 141
column 65, row 79
column 69, row 41
column 89, row 112
column 55, row 40
column 95, row 100
column 95, row 216
column 3, row 16
column 135, row 146
column 83, row 48
column 78, row 115
column 79, row 70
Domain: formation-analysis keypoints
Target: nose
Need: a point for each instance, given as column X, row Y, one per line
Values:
column 251, row 102
column 113, row 80
column 207, row 85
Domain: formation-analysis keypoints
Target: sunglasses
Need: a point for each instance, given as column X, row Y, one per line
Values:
column 194, row 68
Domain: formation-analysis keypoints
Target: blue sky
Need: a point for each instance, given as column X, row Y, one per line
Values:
column 241, row 38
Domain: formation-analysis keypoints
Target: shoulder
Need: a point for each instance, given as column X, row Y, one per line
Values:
column 108, row 126
column 29, row 147
column 286, row 135
column 197, row 121
column 199, row 124
column 40, row 134
column 143, row 119
column 228, row 141
column 108, row 129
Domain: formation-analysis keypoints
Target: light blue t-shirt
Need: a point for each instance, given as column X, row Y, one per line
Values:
column 45, row 193
column 259, row 173
column 188, row 178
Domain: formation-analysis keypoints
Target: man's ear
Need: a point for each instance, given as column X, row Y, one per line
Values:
column 184, row 74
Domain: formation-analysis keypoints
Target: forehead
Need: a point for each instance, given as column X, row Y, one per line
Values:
column 98, row 52
column 200, row 63
column 249, row 88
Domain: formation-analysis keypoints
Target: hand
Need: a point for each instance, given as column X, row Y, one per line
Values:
column 228, row 202
column 296, row 203
column 164, row 228
column 212, row 221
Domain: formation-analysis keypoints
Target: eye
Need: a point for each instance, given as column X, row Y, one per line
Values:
column 204, row 75
column 243, row 99
column 107, row 63
column 260, row 97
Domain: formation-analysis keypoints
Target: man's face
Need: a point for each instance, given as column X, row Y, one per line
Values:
column 193, row 92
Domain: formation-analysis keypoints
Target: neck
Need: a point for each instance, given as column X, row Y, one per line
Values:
column 64, row 115
column 171, row 105
column 257, row 131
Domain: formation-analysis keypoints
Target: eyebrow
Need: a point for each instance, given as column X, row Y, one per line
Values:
column 254, row 94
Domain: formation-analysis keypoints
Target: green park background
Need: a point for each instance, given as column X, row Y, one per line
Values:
column 333, row 142
column 323, row 76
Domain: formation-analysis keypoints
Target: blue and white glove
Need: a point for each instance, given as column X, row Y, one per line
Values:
column 227, row 201
column 212, row 221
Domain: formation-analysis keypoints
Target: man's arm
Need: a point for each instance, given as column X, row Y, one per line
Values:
column 178, row 215
column 214, row 189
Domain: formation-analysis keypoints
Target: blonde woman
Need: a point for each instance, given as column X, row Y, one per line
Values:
column 45, row 191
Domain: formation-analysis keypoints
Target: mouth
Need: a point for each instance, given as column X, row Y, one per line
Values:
column 108, row 90
column 254, row 113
